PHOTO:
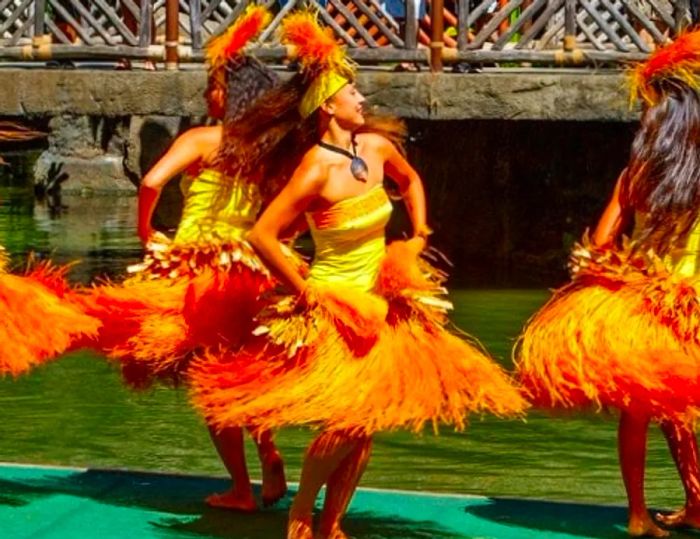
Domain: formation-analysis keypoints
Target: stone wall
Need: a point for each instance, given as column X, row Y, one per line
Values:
column 546, row 94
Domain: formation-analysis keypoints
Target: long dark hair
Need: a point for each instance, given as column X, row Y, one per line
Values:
column 268, row 141
column 246, row 80
column 662, row 178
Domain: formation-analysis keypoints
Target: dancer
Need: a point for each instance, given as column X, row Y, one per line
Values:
column 360, row 346
column 624, row 333
column 201, row 289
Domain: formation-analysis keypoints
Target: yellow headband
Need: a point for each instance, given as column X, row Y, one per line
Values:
column 321, row 58
column 322, row 88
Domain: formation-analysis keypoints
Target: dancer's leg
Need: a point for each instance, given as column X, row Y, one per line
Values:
column 324, row 456
column 632, row 446
column 684, row 448
column 341, row 487
column 229, row 445
column 274, row 483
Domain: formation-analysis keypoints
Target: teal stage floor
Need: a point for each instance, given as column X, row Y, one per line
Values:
column 53, row 503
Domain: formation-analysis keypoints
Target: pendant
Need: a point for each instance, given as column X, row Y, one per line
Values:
column 358, row 168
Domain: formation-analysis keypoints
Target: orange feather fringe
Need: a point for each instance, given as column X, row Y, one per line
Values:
column 679, row 60
column 39, row 322
column 624, row 334
column 321, row 365
column 221, row 49
column 182, row 299
column 315, row 46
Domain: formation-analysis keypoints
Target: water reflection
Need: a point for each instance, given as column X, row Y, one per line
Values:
column 97, row 231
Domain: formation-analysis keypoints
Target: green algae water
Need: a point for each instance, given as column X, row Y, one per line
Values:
column 75, row 411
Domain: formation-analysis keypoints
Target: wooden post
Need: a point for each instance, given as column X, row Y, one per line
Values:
column 410, row 25
column 172, row 31
column 39, row 17
column 570, row 25
column 436, row 39
column 146, row 24
column 463, row 24
column 196, row 23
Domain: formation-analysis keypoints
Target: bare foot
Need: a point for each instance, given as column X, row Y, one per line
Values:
column 299, row 528
column 274, row 484
column 233, row 501
column 645, row 527
column 688, row 517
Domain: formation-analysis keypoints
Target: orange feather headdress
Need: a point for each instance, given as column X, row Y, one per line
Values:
column 320, row 57
column 678, row 61
column 220, row 50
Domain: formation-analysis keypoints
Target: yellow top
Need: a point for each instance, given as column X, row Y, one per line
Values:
column 685, row 261
column 216, row 208
column 349, row 240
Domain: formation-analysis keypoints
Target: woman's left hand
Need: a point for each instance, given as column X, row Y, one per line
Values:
column 416, row 244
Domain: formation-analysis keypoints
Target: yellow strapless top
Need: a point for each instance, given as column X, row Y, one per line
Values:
column 685, row 261
column 349, row 239
column 216, row 208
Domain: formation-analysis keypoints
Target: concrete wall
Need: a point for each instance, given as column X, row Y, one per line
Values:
column 547, row 94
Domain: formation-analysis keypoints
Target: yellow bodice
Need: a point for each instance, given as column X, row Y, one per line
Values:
column 349, row 240
column 685, row 261
column 217, row 208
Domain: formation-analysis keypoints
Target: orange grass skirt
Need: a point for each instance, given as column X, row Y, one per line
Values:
column 38, row 321
column 356, row 362
column 623, row 334
column 181, row 300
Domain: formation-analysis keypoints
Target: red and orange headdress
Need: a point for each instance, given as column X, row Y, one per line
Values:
column 321, row 58
column 224, row 48
column 677, row 61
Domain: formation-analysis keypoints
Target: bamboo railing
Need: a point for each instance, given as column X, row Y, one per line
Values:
column 501, row 32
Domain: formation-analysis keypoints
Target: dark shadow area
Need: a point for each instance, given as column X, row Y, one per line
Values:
column 155, row 141
column 181, row 495
column 272, row 523
column 507, row 198
column 600, row 521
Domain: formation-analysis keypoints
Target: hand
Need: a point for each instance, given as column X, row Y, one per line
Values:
column 416, row 244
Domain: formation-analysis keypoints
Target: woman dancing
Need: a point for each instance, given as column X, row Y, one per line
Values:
column 360, row 346
column 200, row 290
column 625, row 332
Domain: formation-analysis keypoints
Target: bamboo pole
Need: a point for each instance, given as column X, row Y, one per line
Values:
column 437, row 42
column 172, row 31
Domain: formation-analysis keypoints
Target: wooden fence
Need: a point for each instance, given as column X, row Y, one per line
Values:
column 510, row 32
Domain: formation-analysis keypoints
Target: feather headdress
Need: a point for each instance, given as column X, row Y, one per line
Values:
column 221, row 49
column 677, row 61
column 321, row 58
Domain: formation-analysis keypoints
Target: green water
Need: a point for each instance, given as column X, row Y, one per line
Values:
column 76, row 412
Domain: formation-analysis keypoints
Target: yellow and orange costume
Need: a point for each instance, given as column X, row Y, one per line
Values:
column 366, row 348
column 200, row 289
column 625, row 333
column 197, row 291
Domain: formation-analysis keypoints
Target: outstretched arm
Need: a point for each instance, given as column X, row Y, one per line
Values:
column 188, row 149
column 289, row 204
column 613, row 219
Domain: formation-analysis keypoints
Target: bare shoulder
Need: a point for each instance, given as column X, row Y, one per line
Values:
column 312, row 173
column 203, row 134
column 373, row 140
